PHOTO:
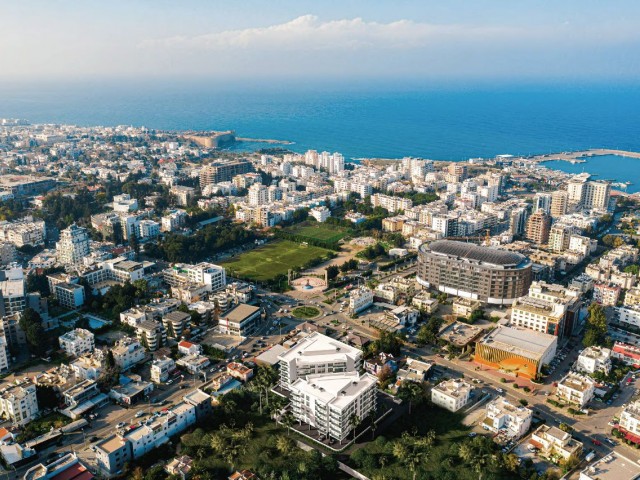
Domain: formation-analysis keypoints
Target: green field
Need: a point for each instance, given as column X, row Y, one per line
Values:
column 276, row 258
column 320, row 231
column 305, row 312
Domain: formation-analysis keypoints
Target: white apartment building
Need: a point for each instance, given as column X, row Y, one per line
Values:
column 173, row 220
column 161, row 368
column 73, row 245
column 576, row 389
column 582, row 245
column 13, row 291
column 320, row 213
column 88, row 366
column 392, row 204
column 240, row 321
column 26, row 231
column 69, row 295
column 212, row 276
column 77, row 341
column 4, row 349
column 317, row 354
column 124, row 203
column 8, row 253
column 503, row 414
column 451, row 394
column 18, row 402
column 630, row 418
column 606, row 294
column 329, row 401
column 127, row 352
column 360, row 299
column 258, row 195
column 594, row 359
column 148, row 229
column 555, row 444
column 629, row 315
column 596, row 195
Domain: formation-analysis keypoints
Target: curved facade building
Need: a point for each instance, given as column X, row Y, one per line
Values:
column 467, row 270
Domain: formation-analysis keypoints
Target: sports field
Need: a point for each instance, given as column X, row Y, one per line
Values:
column 276, row 258
column 326, row 233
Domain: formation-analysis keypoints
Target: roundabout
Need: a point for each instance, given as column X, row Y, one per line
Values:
column 306, row 312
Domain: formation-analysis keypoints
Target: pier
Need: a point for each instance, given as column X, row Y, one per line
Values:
column 576, row 157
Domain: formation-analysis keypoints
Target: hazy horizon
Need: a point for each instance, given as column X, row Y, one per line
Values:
column 299, row 41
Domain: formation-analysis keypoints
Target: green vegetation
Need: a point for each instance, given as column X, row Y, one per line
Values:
column 274, row 259
column 305, row 312
column 31, row 325
column 200, row 245
column 387, row 342
column 596, row 330
column 428, row 332
column 318, row 234
column 42, row 425
column 432, row 444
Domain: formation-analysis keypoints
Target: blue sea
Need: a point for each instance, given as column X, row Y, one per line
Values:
column 443, row 122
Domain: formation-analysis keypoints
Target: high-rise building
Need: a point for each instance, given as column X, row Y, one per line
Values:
column 559, row 203
column 538, row 227
column 73, row 245
column 542, row 201
column 518, row 220
column 596, row 195
column 458, row 170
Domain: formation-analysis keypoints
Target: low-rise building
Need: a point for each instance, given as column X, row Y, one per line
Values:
column 88, row 366
column 376, row 364
column 188, row 348
column 180, row 467
column 555, row 444
column 627, row 354
column 451, row 394
column 161, row 368
column 502, row 414
column 464, row 307
column 194, row 363
column 77, row 341
column 128, row 352
column 130, row 393
column 594, row 359
column 241, row 320
column 360, row 299
column 612, row 466
column 576, row 389
column 239, row 371
column 516, row 350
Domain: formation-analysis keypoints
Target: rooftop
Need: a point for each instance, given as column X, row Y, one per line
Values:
column 337, row 389
column 612, row 467
column 471, row 251
column 576, row 381
column 317, row 347
column 520, row 341
column 454, row 388
column 241, row 312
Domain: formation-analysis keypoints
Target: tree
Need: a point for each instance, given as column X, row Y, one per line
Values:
column 31, row 324
column 284, row 445
column 354, row 422
column 411, row 392
column 596, row 330
column 287, row 420
column 332, row 272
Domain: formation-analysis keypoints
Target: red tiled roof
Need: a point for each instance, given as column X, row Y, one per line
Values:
column 75, row 472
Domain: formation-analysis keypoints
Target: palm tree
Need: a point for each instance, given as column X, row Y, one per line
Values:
column 411, row 392
column 284, row 445
column 287, row 420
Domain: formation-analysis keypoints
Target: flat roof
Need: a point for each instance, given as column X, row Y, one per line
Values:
column 338, row 390
column 241, row 312
column 520, row 341
column 111, row 444
column 318, row 347
column 612, row 467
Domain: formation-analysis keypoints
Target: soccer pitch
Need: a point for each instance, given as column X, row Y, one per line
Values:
column 276, row 258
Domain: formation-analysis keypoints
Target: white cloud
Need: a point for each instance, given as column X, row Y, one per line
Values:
column 308, row 32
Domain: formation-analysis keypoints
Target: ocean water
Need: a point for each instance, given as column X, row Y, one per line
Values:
column 444, row 122
column 605, row 167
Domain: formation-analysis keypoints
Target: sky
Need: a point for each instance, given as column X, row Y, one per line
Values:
column 320, row 40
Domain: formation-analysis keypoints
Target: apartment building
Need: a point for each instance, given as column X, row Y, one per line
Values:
column 69, row 295
column 360, row 299
column 329, row 401
column 594, row 359
column 151, row 334
column 88, row 366
column 161, row 368
column 317, row 354
column 451, row 394
column 175, row 323
column 392, row 204
column 26, row 231
column 555, row 444
column 18, row 402
column 127, row 352
column 73, row 245
column 629, row 423
column 77, row 341
column 13, row 296
column 8, row 253
column 113, row 452
column 502, row 414
column 606, row 294
column 538, row 226
column 223, row 171
column 576, row 389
